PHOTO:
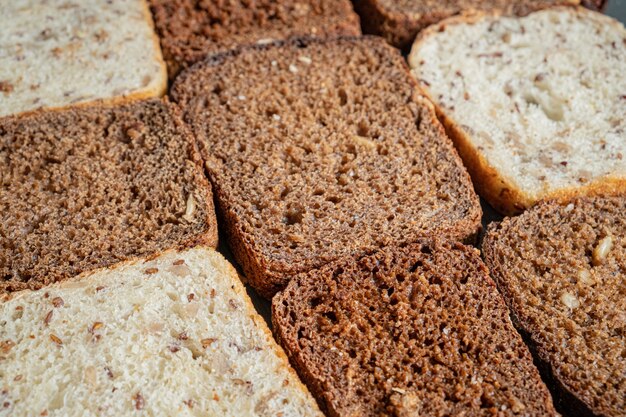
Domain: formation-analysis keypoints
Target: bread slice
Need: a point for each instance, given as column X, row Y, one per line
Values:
column 319, row 149
column 57, row 53
column 400, row 21
column 192, row 29
column 536, row 105
column 174, row 335
column 86, row 188
column 412, row 331
column 561, row 268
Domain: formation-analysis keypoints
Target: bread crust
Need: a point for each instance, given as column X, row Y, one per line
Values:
column 494, row 187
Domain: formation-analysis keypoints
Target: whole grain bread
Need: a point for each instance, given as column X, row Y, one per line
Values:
column 88, row 187
column 319, row 149
column 57, row 53
column 192, row 29
column 562, row 270
column 171, row 336
column 399, row 21
column 411, row 331
column 524, row 102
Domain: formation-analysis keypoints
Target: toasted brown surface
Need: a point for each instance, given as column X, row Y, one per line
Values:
column 417, row 330
column 85, row 188
column 334, row 153
column 400, row 21
column 567, row 298
column 192, row 29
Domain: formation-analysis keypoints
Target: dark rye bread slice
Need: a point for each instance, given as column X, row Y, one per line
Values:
column 319, row 149
column 562, row 270
column 86, row 188
column 414, row 331
column 399, row 21
column 192, row 29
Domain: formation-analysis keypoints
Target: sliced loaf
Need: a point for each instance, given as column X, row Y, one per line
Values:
column 536, row 105
column 192, row 29
column 414, row 331
column 85, row 188
column 173, row 335
column 319, row 149
column 562, row 270
column 56, row 53
column 399, row 21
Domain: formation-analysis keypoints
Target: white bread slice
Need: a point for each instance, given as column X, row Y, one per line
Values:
column 536, row 105
column 175, row 335
column 54, row 53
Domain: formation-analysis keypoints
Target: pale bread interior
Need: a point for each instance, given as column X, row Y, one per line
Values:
column 176, row 335
column 542, row 98
column 56, row 53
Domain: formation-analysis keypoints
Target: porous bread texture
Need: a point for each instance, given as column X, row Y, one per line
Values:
column 536, row 105
column 85, row 188
column 174, row 335
column 333, row 153
column 400, row 21
column 561, row 268
column 412, row 331
column 192, row 29
column 57, row 53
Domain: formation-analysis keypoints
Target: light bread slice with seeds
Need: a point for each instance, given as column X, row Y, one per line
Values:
column 174, row 335
column 56, row 53
column 536, row 105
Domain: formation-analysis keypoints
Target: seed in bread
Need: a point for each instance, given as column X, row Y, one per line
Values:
column 524, row 101
column 57, row 53
column 414, row 331
column 126, row 343
column 192, row 29
column 88, row 187
column 400, row 21
column 318, row 149
column 562, row 270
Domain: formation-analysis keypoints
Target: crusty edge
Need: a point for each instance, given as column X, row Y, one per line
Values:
column 564, row 398
column 262, row 324
column 136, row 95
column 210, row 237
column 498, row 190
column 161, row 88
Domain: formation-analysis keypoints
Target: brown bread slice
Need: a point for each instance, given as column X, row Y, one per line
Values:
column 319, row 149
column 192, row 29
column 85, row 188
column 562, row 270
column 399, row 21
column 414, row 331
